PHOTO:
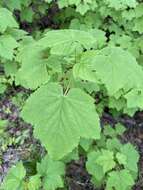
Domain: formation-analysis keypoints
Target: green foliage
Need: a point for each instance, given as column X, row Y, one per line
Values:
column 81, row 6
column 60, row 133
column 14, row 178
column 33, row 71
column 131, row 156
column 27, row 13
column 6, row 20
column 121, row 4
column 49, row 176
column 111, row 163
column 92, row 61
column 106, row 160
column 67, row 42
column 120, row 180
column 34, row 182
column 52, row 172
column 107, row 65
column 7, row 46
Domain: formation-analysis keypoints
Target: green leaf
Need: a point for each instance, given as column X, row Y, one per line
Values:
column 100, row 37
column 106, row 160
column 53, row 182
column 101, row 143
column 139, row 10
column 82, row 8
column 27, row 14
column 120, row 180
column 17, row 33
column 52, row 172
column 120, row 129
column 55, row 63
column 6, row 20
column 50, row 167
column 107, row 65
column 122, row 159
column 7, row 46
column 92, row 167
column 34, row 183
column 74, row 155
column 135, row 98
column 109, row 131
column 10, row 68
column 83, row 69
column 58, row 121
column 132, row 157
column 113, row 144
column 66, row 42
column 26, row 3
column 138, row 25
column 14, row 177
column 49, row 1
column 14, row 4
column 62, row 3
column 33, row 72
column 117, row 104
column 122, row 4
column 86, row 143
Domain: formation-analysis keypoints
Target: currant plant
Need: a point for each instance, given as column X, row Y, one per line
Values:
column 102, row 67
column 91, row 61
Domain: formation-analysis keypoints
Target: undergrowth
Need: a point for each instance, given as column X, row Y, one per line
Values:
column 85, row 57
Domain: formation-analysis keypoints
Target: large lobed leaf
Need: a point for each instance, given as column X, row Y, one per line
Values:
column 60, row 120
column 67, row 41
column 33, row 70
column 112, row 66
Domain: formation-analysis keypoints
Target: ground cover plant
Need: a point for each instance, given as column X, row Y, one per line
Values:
column 71, row 95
